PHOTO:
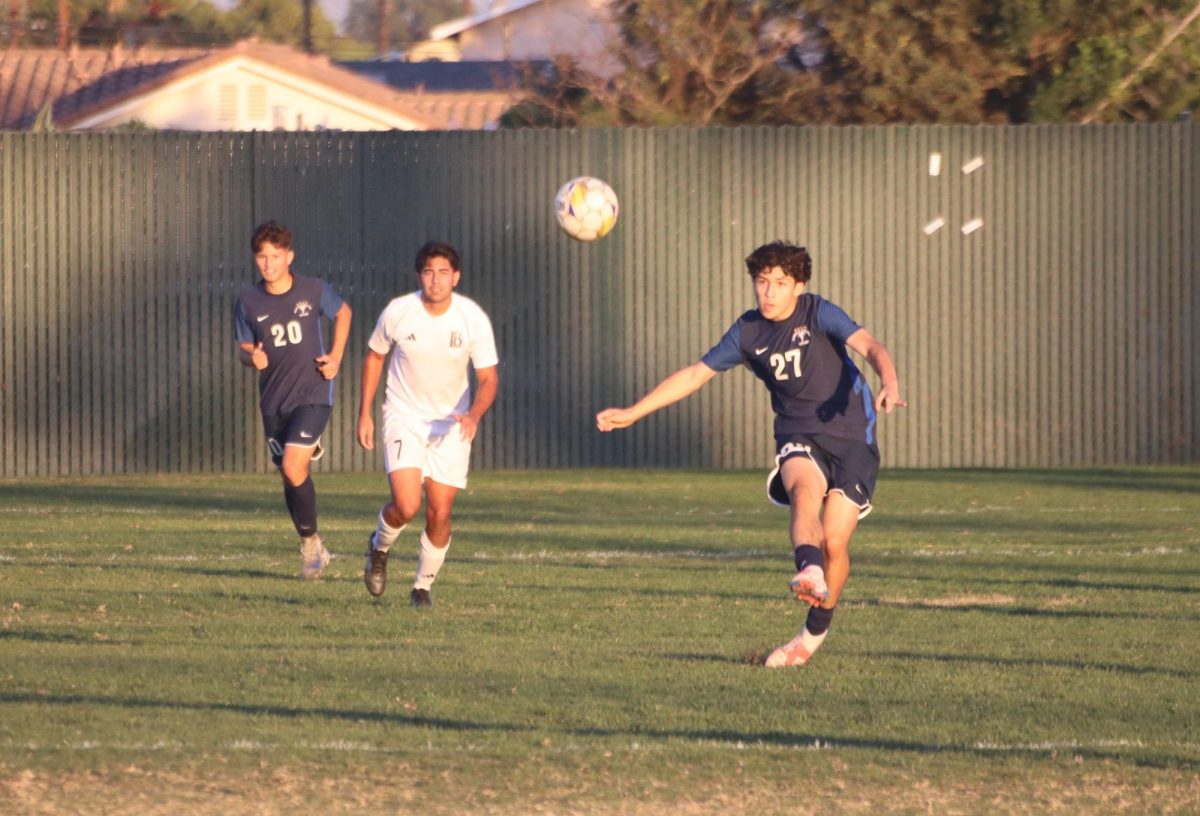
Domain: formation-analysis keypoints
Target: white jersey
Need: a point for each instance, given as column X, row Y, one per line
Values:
column 427, row 377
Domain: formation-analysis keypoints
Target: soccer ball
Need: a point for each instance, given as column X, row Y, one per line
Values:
column 586, row 208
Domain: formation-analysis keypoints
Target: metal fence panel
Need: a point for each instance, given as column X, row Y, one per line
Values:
column 1037, row 285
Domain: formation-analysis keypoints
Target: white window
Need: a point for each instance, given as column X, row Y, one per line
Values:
column 256, row 103
column 227, row 105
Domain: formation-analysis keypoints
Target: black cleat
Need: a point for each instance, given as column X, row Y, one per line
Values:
column 375, row 570
column 420, row 598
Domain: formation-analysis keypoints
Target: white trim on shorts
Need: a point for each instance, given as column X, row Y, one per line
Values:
column 795, row 447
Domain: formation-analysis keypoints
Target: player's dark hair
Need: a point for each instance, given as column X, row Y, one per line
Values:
column 793, row 260
column 271, row 232
column 438, row 249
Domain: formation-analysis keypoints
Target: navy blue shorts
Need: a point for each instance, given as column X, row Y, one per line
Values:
column 850, row 467
column 303, row 426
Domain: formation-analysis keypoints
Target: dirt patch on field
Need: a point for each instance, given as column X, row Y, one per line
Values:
column 130, row 790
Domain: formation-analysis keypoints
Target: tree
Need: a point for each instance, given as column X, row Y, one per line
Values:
column 280, row 21
column 698, row 62
column 399, row 22
column 129, row 22
column 885, row 61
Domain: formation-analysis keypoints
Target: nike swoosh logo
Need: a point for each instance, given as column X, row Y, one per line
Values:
column 761, row 350
column 261, row 318
column 305, row 435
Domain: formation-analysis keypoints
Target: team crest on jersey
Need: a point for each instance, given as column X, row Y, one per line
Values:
column 456, row 339
column 303, row 308
column 801, row 336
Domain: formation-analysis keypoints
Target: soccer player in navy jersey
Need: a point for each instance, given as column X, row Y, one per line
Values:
column 281, row 333
column 826, row 458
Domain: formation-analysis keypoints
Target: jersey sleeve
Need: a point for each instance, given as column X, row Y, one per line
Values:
column 245, row 334
column 483, row 341
column 379, row 341
column 831, row 320
column 331, row 301
column 727, row 353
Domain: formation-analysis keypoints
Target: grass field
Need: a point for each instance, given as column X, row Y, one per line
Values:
column 1009, row 642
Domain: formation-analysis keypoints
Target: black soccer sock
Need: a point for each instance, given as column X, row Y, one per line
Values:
column 808, row 554
column 818, row 620
column 302, row 504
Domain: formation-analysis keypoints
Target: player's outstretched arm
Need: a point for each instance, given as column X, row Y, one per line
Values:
column 371, row 373
column 675, row 387
column 875, row 353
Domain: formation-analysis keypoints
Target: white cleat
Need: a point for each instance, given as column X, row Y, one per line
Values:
column 809, row 585
column 796, row 651
column 313, row 557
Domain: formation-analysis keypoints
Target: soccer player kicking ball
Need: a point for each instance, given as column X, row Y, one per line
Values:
column 429, row 417
column 279, row 333
column 827, row 458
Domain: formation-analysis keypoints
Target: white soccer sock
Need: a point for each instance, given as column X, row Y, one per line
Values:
column 385, row 534
column 812, row 642
column 429, row 562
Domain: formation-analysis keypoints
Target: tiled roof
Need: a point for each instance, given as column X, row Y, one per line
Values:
column 467, row 75
column 81, row 82
column 470, row 95
column 75, row 80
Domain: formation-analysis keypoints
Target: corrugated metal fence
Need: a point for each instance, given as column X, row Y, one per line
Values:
column 1039, row 292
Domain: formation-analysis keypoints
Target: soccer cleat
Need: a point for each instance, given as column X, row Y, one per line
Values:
column 809, row 585
column 313, row 557
column 375, row 570
column 420, row 598
column 792, row 653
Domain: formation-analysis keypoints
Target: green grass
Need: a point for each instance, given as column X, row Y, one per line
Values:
column 1009, row 642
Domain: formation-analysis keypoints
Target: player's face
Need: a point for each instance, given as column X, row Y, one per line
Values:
column 438, row 280
column 777, row 293
column 273, row 264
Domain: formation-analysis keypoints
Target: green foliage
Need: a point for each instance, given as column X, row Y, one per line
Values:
column 1009, row 641
column 176, row 23
column 408, row 21
column 883, row 61
column 280, row 21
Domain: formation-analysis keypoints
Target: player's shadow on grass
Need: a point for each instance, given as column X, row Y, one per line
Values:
column 1008, row 610
column 1150, row 481
column 991, row 576
column 174, row 496
column 1024, row 663
column 648, row 591
column 743, row 739
column 334, row 714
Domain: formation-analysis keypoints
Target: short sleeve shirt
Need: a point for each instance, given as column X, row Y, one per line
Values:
column 291, row 327
column 814, row 385
column 427, row 375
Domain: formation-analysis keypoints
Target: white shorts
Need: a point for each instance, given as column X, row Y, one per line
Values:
column 437, row 449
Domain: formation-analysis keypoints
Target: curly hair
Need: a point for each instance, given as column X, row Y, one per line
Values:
column 792, row 259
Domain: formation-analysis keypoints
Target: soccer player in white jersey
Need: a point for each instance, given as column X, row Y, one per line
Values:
column 429, row 416
column 827, row 458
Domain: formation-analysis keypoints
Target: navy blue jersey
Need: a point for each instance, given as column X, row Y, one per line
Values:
column 291, row 328
column 815, row 387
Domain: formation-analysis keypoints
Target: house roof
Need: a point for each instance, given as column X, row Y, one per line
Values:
column 470, row 95
column 81, row 83
column 464, row 75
